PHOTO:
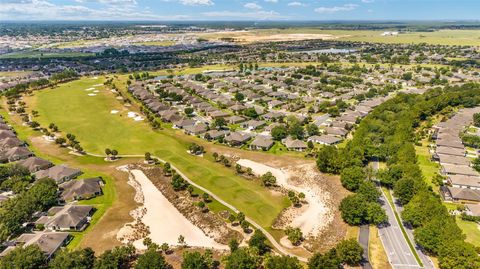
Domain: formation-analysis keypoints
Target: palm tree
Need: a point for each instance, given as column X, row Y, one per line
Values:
column 108, row 152
column 114, row 153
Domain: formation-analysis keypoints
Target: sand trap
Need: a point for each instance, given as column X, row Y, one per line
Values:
column 138, row 118
column 114, row 111
column 97, row 85
column 95, row 78
column 131, row 114
column 90, row 89
column 315, row 216
column 165, row 221
column 96, row 91
column 92, row 94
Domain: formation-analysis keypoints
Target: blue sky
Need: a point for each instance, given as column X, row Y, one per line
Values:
column 251, row 10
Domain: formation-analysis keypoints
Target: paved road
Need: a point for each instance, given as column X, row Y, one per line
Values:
column 270, row 238
column 398, row 252
column 363, row 238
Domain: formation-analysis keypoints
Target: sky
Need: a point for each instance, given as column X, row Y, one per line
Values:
column 239, row 10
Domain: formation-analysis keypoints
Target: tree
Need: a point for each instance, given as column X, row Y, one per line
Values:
column 404, row 190
column 239, row 96
column 268, row 179
column 328, row 160
column 108, row 152
column 188, row 111
column 242, row 258
column 29, row 257
column 279, row 132
column 258, row 240
column 350, row 252
column 357, row 210
column 148, row 156
column 328, row 260
column 78, row 259
column 294, row 235
column 476, row 119
column 458, row 255
column 233, row 245
column 369, row 191
column 114, row 153
column 352, row 177
column 151, row 259
column 312, row 129
column 118, row 257
column 282, row 262
column 195, row 260
column 219, row 122
column 181, row 241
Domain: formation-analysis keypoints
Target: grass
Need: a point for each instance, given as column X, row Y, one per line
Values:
column 165, row 43
column 11, row 74
column 39, row 54
column 377, row 255
column 441, row 37
column 428, row 167
column 471, row 230
column 90, row 120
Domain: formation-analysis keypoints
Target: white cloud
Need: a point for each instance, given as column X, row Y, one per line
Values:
column 346, row 7
column 252, row 6
column 44, row 10
column 296, row 4
column 197, row 2
column 257, row 15
column 368, row 1
column 272, row 1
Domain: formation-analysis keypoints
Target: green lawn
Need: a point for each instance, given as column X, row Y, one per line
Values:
column 428, row 167
column 90, row 120
column 471, row 229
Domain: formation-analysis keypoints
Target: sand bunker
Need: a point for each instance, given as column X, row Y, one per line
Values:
column 97, row 85
column 313, row 216
column 90, row 89
column 165, row 222
column 138, row 118
column 114, row 111
column 92, row 94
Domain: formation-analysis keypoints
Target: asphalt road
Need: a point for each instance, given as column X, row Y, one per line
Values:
column 363, row 240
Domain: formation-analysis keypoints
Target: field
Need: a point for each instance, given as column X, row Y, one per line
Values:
column 428, row 167
column 90, row 120
column 442, row 37
column 156, row 43
column 38, row 54
column 471, row 229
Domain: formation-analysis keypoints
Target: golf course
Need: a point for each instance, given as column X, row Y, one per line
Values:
column 99, row 121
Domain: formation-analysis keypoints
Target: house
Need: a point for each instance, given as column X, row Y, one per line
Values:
column 197, row 129
column 15, row 154
column 461, row 181
column 460, row 194
column 81, row 189
column 67, row 218
column 450, row 151
column 10, row 142
column 59, row 173
column 34, row 164
column 253, row 124
column 215, row 134
column 336, row 131
column 48, row 242
column 180, row 124
column 451, row 169
column 452, row 159
column 325, row 139
column 6, row 134
column 218, row 114
column 473, row 210
column 237, row 138
column 235, row 119
column 261, row 143
column 295, row 144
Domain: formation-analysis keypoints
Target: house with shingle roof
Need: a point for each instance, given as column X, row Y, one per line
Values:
column 237, row 138
column 48, row 242
column 59, row 173
column 295, row 144
column 67, row 218
column 261, row 143
column 34, row 164
column 15, row 154
column 81, row 189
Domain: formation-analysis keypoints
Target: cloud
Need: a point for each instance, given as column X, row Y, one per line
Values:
column 197, row 2
column 109, row 2
column 257, row 15
column 272, row 1
column 252, row 6
column 44, row 10
column 368, row 1
column 296, row 4
column 346, row 7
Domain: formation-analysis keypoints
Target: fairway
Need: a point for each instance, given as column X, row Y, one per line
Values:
column 90, row 119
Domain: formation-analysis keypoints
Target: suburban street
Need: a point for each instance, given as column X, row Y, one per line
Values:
column 396, row 247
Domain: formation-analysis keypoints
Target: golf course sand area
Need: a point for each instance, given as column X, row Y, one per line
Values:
column 318, row 218
column 162, row 222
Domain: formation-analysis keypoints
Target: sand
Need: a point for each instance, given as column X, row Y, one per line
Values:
column 114, row 111
column 313, row 216
column 165, row 222
column 90, row 89
column 92, row 94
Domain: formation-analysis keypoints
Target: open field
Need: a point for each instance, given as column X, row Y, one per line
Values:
column 442, row 37
column 471, row 230
column 96, row 129
column 428, row 167
column 11, row 74
column 39, row 54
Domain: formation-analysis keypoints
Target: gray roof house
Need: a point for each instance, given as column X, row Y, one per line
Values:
column 237, row 138
column 81, row 189
column 67, row 218
column 48, row 242
column 325, row 139
column 197, row 129
column 59, row 173
column 295, row 144
column 261, row 143
column 34, row 164
column 15, row 154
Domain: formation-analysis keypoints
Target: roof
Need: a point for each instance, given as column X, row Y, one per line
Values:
column 473, row 209
column 48, row 242
column 452, row 159
column 34, row 164
column 262, row 141
column 17, row 152
column 459, row 170
column 238, row 137
column 57, row 172
column 66, row 216
column 295, row 143
column 80, row 188
column 325, row 139
column 471, row 181
column 464, row 194
column 450, row 151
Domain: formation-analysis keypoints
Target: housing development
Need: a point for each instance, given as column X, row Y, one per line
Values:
column 255, row 140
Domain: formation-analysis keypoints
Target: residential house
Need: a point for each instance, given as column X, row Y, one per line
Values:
column 295, row 144
column 34, row 164
column 59, row 173
column 81, row 189
column 325, row 139
column 67, row 218
column 261, row 143
column 237, row 138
